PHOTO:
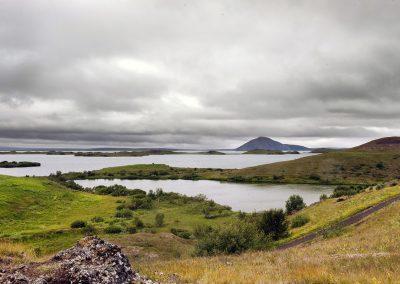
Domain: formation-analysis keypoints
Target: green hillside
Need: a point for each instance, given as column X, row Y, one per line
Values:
column 344, row 167
column 366, row 252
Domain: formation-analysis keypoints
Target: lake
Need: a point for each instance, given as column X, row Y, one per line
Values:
column 67, row 163
column 244, row 197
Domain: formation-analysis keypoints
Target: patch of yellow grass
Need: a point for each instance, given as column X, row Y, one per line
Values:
column 16, row 252
column 325, row 213
column 368, row 252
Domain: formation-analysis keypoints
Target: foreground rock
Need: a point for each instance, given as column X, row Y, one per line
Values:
column 91, row 260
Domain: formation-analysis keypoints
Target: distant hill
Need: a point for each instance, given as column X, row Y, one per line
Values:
column 265, row 143
column 382, row 144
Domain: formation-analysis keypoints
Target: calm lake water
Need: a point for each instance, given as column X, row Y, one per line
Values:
column 52, row 163
column 245, row 197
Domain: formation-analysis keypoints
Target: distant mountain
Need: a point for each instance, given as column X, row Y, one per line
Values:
column 265, row 143
column 382, row 144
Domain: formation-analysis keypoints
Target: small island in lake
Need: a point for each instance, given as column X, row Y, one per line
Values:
column 14, row 164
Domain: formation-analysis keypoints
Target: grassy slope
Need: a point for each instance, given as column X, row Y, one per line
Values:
column 32, row 205
column 36, row 213
column 345, row 167
column 153, row 171
column 364, row 253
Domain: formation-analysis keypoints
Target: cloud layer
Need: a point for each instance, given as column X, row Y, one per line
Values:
column 198, row 73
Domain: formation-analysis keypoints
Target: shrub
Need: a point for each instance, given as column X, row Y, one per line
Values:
column 97, row 219
column 78, row 224
column 342, row 190
column 380, row 166
column 124, row 213
column 181, row 233
column 159, row 220
column 113, row 229
column 299, row 221
column 138, row 223
column 89, row 230
column 232, row 238
column 202, row 230
column 323, row 197
column 131, row 230
column 294, row 203
column 138, row 202
column 273, row 223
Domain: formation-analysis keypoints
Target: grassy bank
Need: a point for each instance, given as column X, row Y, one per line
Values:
column 36, row 216
column 363, row 253
column 343, row 167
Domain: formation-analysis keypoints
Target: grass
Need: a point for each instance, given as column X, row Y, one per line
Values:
column 330, row 211
column 340, row 167
column 364, row 253
column 36, row 214
column 33, row 205
column 152, row 171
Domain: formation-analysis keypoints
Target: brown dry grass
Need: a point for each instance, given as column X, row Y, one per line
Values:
column 365, row 253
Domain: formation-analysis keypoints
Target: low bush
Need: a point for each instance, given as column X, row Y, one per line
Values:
column 131, row 230
column 202, row 230
column 97, row 219
column 232, row 238
column 184, row 234
column 299, row 221
column 323, row 197
column 273, row 223
column 89, row 230
column 78, row 224
column 159, row 220
column 124, row 213
column 139, row 202
column 113, row 229
column 342, row 190
column 138, row 223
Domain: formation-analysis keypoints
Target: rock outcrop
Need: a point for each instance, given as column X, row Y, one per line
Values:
column 91, row 260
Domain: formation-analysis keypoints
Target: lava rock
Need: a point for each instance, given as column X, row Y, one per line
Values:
column 91, row 260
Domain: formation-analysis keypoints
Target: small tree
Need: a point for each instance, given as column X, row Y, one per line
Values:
column 323, row 197
column 273, row 223
column 138, row 223
column 294, row 203
column 78, row 224
column 159, row 219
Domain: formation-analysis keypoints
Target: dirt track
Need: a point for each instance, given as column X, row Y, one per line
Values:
column 344, row 223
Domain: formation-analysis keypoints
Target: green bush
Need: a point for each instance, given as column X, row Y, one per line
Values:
column 342, row 190
column 323, row 197
column 273, row 223
column 97, row 219
column 232, row 238
column 138, row 223
column 294, row 203
column 113, row 229
column 139, row 202
column 89, row 230
column 159, row 220
column 202, row 230
column 124, row 213
column 131, row 230
column 78, row 224
column 299, row 221
column 181, row 233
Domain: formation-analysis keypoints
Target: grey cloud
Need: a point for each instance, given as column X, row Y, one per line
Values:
column 195, row 73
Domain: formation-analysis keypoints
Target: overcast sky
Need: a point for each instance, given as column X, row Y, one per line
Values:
column 198, row 73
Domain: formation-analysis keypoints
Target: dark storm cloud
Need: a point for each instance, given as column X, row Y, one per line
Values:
column 198, row 73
